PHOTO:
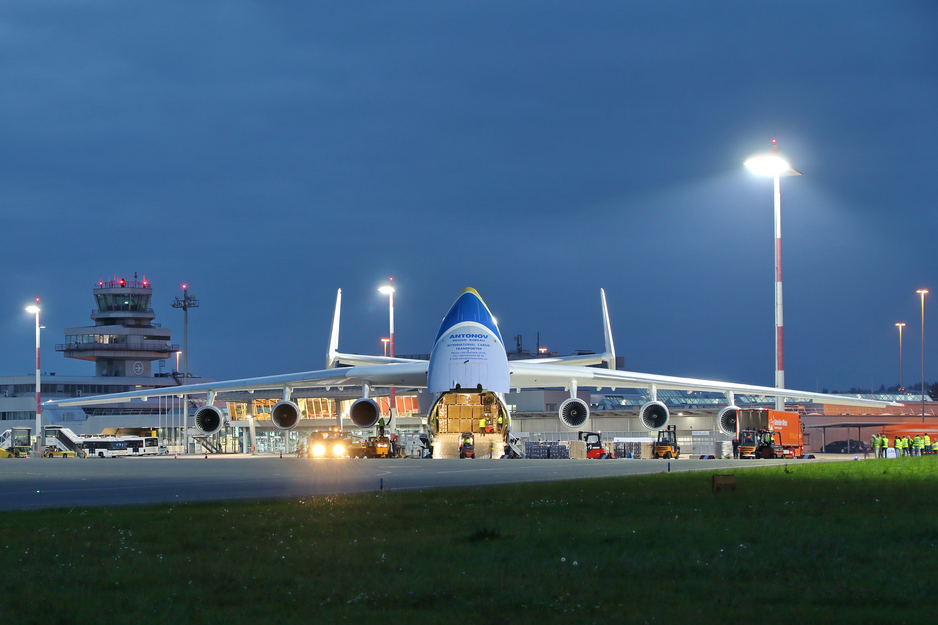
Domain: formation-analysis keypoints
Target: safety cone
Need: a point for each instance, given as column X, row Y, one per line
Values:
column 206, row 456
column 175, row 456
column 281, row 455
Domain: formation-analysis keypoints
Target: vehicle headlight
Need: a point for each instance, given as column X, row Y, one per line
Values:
column 318, row 450
column 338, row 450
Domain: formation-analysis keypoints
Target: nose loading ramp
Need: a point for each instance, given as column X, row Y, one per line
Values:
column 479, row 413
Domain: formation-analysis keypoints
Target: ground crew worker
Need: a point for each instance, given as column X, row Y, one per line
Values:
column 906, row 444
column 897, row 444
column 926, row 442
column 501, row 422
column 917, row 445
column 482, row 424
column 877, row 443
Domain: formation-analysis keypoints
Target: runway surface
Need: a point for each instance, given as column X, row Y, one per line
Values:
column 47, row 483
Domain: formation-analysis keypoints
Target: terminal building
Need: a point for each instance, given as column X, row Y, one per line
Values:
column 125, row 342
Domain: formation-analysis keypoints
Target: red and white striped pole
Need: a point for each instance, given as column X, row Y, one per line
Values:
column 775, row 167
column 392, row 397
column 779, row 322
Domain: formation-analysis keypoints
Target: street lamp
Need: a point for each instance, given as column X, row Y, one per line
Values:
column 34, row 309
column 388, row 290
column 900, row 326
column 922, row 292
column 185, row 303
column 774, row 166
column 385, row 341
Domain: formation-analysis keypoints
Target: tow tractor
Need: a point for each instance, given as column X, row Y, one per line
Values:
column 594, row 446
column 15, row 443
column 371, row 447
column 666, row 445
column 467, row 447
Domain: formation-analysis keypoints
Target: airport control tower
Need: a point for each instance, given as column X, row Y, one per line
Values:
column 124, row 341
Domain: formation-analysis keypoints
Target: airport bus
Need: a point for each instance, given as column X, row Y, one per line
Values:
column 105, row 447
column 142, row 445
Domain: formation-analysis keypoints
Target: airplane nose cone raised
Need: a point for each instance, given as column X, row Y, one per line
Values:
column 469, row 307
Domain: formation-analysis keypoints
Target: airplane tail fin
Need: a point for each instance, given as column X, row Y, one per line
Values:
column 333, row 353
column 610, row 355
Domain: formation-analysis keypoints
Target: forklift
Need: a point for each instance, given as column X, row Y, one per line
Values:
column 594, row 445
column 15, row 443
column 467, row 448
column 770, row 445
column 666, row 446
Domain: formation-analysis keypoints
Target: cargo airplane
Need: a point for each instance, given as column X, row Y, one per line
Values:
column 468, row 367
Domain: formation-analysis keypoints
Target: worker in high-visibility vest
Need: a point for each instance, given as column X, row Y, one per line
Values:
column 906, row 446
column 917, row 443
column 877, row 443
column 482, row 425
column 501, row 422
column 927, row 441
column 897, row 444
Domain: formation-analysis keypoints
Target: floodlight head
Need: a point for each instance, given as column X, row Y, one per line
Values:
column 386, row 290
column 32, row 309
column 770, row 165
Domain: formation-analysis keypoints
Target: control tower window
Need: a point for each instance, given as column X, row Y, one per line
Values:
column 117, row 302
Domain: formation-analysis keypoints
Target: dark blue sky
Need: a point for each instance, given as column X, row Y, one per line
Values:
column 270, row 153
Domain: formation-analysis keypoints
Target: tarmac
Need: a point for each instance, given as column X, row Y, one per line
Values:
column 71, row 482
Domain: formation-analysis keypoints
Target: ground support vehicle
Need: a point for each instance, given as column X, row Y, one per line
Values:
column 594, row 445
column 15, row 443
column 467, row 448
column 105, row 447
column 763, row 433
column 61, row 439
column 332, row 444
column 52, row 452
column 371, row 447
column 666, row 445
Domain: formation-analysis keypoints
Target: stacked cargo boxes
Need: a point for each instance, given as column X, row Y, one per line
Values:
column 633, row 449
column 545, row 450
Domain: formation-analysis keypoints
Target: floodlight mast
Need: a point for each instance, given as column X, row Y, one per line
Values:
column 185, row 303
column 34, row 309
column 388, row 290
column 774, row 166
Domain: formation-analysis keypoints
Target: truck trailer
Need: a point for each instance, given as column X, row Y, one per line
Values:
column 763, row 433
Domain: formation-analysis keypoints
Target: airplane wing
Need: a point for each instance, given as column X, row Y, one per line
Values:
column 532, row 374
column 411, row 374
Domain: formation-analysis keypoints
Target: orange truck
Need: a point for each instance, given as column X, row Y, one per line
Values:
column 764, row 433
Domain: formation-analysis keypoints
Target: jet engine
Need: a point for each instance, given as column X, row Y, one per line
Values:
column 654, row 415
column 726, row 420
column 574, row 412
column 209, row 419
column 285, row 415
column 364, row 412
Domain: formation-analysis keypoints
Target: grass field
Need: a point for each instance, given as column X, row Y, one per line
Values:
column 838, row 542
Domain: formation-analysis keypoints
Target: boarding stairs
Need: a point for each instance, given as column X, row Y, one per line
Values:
column 514, row 446
column 64, row 439
column 209, row 445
